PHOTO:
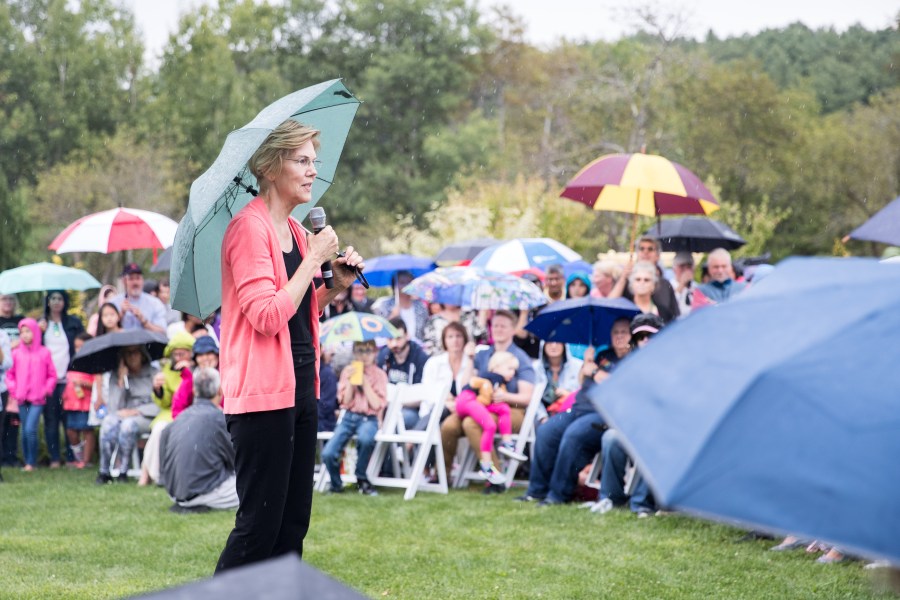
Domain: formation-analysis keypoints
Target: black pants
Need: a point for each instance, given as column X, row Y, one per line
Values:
column 275, row 453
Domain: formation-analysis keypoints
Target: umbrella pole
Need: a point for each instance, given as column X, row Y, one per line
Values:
column 637, row 200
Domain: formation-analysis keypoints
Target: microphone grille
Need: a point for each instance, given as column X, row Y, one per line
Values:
column 317, row 217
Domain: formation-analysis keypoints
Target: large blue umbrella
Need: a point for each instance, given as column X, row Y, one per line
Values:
column 779, row 409
column 380, row 270
column 581, row 320
column 45, row 276
column 884, row 226
column 227, row 186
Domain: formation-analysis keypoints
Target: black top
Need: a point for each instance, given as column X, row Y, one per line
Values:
column 301, row 338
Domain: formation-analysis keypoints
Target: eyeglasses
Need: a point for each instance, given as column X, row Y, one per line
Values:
column 647, row 249
column 645, row 279
column 306, row 162
column 363, row 350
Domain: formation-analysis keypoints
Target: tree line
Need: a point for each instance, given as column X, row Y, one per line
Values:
column 465, row 128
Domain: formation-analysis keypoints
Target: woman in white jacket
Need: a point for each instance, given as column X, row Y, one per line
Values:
column 453, row 367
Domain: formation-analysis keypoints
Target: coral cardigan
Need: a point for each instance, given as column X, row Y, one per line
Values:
column 255, row 357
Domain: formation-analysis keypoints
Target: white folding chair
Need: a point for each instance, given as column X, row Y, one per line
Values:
column 348, row 476
column 394, row 438
column 468, row 469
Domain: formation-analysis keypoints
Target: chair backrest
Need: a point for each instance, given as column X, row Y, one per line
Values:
column 393, row 409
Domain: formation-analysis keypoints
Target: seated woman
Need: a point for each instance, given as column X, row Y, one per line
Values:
column 561, row 372
column 129, row 410
column 453, row 366
column 568, row 440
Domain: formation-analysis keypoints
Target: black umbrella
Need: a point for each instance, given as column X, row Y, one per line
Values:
column 101, row 354
column 461, row 251
column 695, row 234
column 884, row 226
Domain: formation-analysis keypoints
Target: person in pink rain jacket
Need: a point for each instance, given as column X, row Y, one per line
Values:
column 30, row 380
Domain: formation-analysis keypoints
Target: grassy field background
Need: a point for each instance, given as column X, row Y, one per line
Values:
column 61, row 536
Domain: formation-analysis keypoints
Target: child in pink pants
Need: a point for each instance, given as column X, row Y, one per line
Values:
column 476, row 401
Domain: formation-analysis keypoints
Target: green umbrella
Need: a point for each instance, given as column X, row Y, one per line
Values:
column 227, row 186
column 44, row 276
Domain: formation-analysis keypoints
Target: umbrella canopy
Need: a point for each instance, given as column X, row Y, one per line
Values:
column 44, row 276
column 884, row 226
column 640, row 184
column 475, row 288
column 695, row 234
column 227, row 186
column 355, row 327
column 581, row 320
column 462, row 251
column 116, row 229
column 523, row 254
column 380, row 270
column 788, row 420
column 164, row 262
column 101, row 354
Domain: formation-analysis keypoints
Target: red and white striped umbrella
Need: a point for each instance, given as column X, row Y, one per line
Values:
column 116, row 229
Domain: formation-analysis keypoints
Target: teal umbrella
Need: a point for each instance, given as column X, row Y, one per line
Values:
column 227, row 186
column 44, row 276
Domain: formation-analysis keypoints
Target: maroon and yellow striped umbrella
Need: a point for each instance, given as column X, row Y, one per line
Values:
column 640, row 184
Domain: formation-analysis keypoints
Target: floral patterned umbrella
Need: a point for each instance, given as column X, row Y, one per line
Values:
column 476, row 288
column 355, row 327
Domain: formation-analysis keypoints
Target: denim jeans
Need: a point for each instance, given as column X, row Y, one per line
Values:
column 612, row 477
column 563, row 446
column 365, row 427
column 30, row 415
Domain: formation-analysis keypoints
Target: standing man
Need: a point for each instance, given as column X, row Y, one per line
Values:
column 555, row 283
column 9, row 320
column 720, row 286
column 412, row 311
column 684, row 284
column 139, row 310
column 663, row 294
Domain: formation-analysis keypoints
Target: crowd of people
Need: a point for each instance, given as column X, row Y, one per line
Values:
column 169, row 408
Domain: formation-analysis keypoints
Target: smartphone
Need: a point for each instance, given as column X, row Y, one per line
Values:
column 356, row 372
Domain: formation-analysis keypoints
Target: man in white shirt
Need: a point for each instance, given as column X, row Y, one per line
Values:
column 139, row 310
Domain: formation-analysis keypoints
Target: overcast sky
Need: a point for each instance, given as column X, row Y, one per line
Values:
column 550, row 20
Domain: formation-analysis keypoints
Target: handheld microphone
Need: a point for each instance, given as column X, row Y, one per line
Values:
column 317, row 220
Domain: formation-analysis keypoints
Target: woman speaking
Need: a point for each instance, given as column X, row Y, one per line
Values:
column 270, row 347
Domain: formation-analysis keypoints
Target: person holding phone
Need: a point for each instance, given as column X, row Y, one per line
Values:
column 362, row 390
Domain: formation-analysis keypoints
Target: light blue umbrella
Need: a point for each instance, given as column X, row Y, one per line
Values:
column 44, row 276
column 227, row 186
column 522, row 254
column 474, row 288
column 779, row 409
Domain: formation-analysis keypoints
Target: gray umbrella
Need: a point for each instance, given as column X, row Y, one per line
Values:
column 695, row 234
column 101, row 354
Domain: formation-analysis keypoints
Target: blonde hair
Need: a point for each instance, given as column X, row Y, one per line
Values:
column 607, row 267
column 269, row 157
column 502, row 358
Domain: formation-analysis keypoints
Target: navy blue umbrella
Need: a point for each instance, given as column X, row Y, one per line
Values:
column 884, row 226
column 778, row 410
column 581, row 320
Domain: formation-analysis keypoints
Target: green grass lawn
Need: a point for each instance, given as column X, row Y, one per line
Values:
column 61, row 536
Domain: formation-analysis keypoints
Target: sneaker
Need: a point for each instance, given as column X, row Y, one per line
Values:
column 103, row 479
column 643, row 513
column 122, row 478
column 527, row 498
column 491, row 474
column 604, row 506
column 508, row 449
column 366, row 489
column 335, row 490
column 188, row 510
column 548, row 502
